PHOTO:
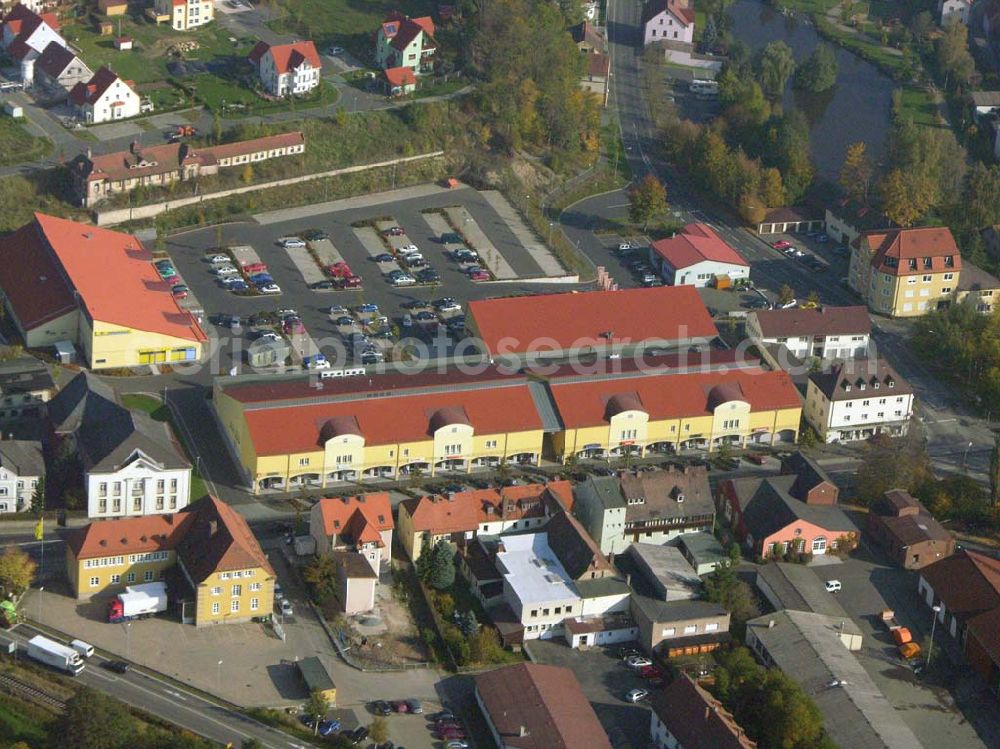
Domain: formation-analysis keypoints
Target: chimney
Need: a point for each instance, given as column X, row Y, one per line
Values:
column 770, row 623
column 133, row 146
column 522, row 731
column 213, row 528
column 169, row 517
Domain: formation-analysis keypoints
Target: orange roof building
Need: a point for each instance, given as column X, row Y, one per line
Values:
column 362, row 524
column 64, row 281
column 287, row 69
column 461, row 516
column 206, row 554
column 697, row 256
column 593, row 322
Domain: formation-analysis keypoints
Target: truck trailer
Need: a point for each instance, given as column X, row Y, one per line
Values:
column 57, row 655
column 138, row 602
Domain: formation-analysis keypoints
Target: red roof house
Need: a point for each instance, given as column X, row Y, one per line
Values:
column 362, row 524
column 697, row 256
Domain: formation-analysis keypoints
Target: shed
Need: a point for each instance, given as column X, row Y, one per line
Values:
column 65, row 352
column 265, row 353
column 123, row 43
column 13, row 110
column 317, row 679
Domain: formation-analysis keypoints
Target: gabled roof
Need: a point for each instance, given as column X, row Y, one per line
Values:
column 217, row 539
column 587, row 33
column 402, row 30
column 91, row 91
column 597, row 318
column 400, row 76
column 860, row 378
column 31, row 278
column 893, row 250
column 465, row 511
column 696, row 243
column 670, row 493
column 356, row 520
column 696, row 719
column 986, row 98
column 22, row 457
column 23, row 21
column 55, row 58
column 108, row 434
column 677, row 8
column 968, row 582
column 104, row 538
column 287, row 57
column 576, row 550
column 768, row 507
column 825, row 321
column 533, row 706
column 25, row 374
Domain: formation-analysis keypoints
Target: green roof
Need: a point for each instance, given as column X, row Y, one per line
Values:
column 315, row 675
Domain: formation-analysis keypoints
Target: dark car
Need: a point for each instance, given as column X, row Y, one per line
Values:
column 428, row 275
column 323, row 285
column 359, row 734
column 314, row 235
column 443, row 715
column 415, row 707
column 450, row 238
column 384, row 257
column 381, row 707
column 119, row 667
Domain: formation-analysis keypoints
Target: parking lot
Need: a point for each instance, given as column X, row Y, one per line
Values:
column 357, row 232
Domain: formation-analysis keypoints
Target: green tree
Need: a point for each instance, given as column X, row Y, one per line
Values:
column 95, row 721
column 894, row 463
column 321, row 574
column 17, row 570
column 709, row 36
column 980, row 202
column 317, row 707
column 856, row 173
column 785, row 294
column 378, row 730
column 724, row 587
column 818, row 72
column 922, row 25
column 485, row 647
column 425, row 560
column 38, row 497
column 442, row 572
column 647, row 200
column 775, row 65
column 251, row 743
column 953, row 56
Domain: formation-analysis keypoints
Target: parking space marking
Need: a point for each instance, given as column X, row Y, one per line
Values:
column 547, row 263
column 479, row 242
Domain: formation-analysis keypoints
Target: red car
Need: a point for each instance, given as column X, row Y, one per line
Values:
column 650, row 672
column 479, row 275
column 351, row 282
column 401, row 706
column 294, row 326
column 174, row 280
column 340, row 270
column 451, row 733
column 781, row 244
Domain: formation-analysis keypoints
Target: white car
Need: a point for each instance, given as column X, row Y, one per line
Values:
column 286, row 607
column 449, row 307
column 637, row 661
column 636, row 695
column 833, row 586
column 225, row 270
column 408, row 249
column 292, row 243
column 788, row 305
column 625, row 246
column 403, row 280
column 219, row 259
column 271, row 288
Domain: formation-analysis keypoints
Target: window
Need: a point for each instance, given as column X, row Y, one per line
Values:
column 569, row 609
column 254, row 587
column 102, row 505
column 669, row 632
column 629, row 434
column 217, row 591
column 491, row 444
column 926, row 279
column 102, row 488
column 224, row 576
column 946, row 289
column 558, row 609
column 160, row 484
column 452, row 449
column 130, row 577
column 234, row 605
column 711, row 627
column 115, row 579
column 237, row 590
column 731, row 424
column 173, row 485
column 137, row 504
column 545, row 612
column 303, row 461
column 949, row 276
column 147, row 576
column 254, row 604
column 215, row 608
column 690, row 629
column 94, row 582
column 534, row 612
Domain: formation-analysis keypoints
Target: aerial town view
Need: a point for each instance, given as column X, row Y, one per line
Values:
column 522, row 374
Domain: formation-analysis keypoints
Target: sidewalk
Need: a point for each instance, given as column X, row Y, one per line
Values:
column 361, row 201
column 546, row 261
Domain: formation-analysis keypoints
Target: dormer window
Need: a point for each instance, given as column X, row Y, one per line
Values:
column 680, row 497
column 913, row 263
column 892, row 383
column 876, row 385
column 847, row 387
column 861, row 386
column 949, row 261
column 928, row 263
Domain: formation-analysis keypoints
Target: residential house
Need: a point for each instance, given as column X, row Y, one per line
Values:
column 287, row 69
column 69, row 283
column 856, row 399
column 848, row 219
column 461, row 516
column 98, row 177
column 789, row 220
column 905, row 272
column 589, row 39
column 965, row 588
column 954, row 11
column 58, row 67
column 22, row 466
column 821, row 333
column 215, row 571
column 534, row 706
column 985, row 104
column 26, row 387
column 815, row 651
column 556, row 574
column 591, row 323
column 132, row 465
column 362, row 524
column 185, row 15
column 978, row 288
column 399, row 81
column 679, row 628
column 697, row 256
column 667, row 20
column 24, row 35
column 404, row 42
column 790, row 512
column 597, row 75
column 911, row 536
column 104, row 98
column 652, row 507
column 686, row 716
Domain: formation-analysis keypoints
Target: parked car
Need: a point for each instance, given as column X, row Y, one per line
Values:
column 457, row 744
column 428, row 275
column 255, row 268
column 166, row 271
column 344, row 320
column 407, row 320
column 833, row 586
column 292, row 243
column 272, row 288
column 408, row 249
column 637, row 661
column 337, row 309
column 384, row 257
column 479, row 275
column 400, row 706
column 788, row 305
column 447, row 304
column 403, row 279
column 366, row 307
column 315, row 235
column 781, row 244
column 180, row 291
column 625, row 652
column 443, row 714
column 359, row 734
column 624, row 245
column 394, row 231
column 219, row 259
column 119, row 667
column 381, row 707
column 238, row 286
column 414, row 704
column 322, row 285
column 636, row 695
column 286, row 607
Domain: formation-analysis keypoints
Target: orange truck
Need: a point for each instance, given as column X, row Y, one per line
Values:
column 901, row 636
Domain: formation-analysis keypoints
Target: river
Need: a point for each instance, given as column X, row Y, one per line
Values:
column 858, row 108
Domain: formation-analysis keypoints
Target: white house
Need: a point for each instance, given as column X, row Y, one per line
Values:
column 856, row 399
column 361, row 524
column 132, row 465
column 105, row 98
column 667, row 21
column 824, row 332
column 24, row 35
column 59, row 67
column 287, row 69
column 954, row 11
column 185, row 14
column 404, row 42
column 697, row 256
column 22, row 466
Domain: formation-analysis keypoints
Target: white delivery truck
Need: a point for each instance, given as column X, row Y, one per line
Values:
column 138, row 602
column 55, row 654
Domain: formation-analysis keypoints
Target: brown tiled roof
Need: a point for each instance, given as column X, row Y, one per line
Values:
column 669, row 493
column 105, row 538
column 967, row 582
column 585, row 32
column 55, row 58
column 356, row 520
column 575, row 549
column 974, row 278
column 598, row 65
column 218, row 539
column 914, row 529
column 985, row 629
column 878, row 378
column 31, row 278
column 464, row 511
column 255, row 145
column 353, row 565
column 893, row 249
column 696, row 719
column 793, row 323
column 92, row 90
column 533, row 706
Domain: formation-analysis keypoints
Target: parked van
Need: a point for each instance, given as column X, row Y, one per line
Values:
column 85, row 649
column 703, row 87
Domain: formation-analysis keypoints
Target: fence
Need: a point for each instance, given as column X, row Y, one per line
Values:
column 131, row 213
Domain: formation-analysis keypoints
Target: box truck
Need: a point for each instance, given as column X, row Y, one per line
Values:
column 138, row 602
column 57, row 655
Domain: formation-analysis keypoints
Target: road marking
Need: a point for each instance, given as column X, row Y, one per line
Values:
column 176, row 694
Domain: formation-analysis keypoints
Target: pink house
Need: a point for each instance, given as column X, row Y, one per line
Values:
column 667, row 21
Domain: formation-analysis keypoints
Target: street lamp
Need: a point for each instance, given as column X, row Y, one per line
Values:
column 930, row 648
column 965, row 455
column 218, row 677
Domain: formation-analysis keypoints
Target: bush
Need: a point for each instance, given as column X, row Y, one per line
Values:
column 457, row 643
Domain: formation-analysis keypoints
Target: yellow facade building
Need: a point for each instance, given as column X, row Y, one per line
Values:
column 66, row 282
column 216, row 572
column 184, row 15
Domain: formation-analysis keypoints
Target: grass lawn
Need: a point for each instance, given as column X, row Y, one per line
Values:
column 16, row 725
column 17, row 145
column 344, row 22
column 807, row 6
column 219, row 95
column 919, row 106
column 442, row 89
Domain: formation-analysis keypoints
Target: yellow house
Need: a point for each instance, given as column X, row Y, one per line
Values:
column 289, row 432
column 63, row 281
column 672, row 411
column 216, row 572
column 184, row 15
column 905, row 272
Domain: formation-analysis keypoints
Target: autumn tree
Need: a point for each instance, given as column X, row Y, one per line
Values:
column 647, row 200
column 378, row 730
column 785, row 294
column 774, row 66
column 894, row 463
column 95, row 721
column 17, row 570
column 906, row 198
column 953, row 56
column 321, row 574
column 856, row 173
column 980, row 202
column 317, row 707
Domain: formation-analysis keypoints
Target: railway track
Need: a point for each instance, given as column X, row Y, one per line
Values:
column 30, row 693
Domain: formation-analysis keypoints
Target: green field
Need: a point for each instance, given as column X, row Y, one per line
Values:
column 920, row 107
column 345, row 22
column 17, row 145
column 16, row 725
